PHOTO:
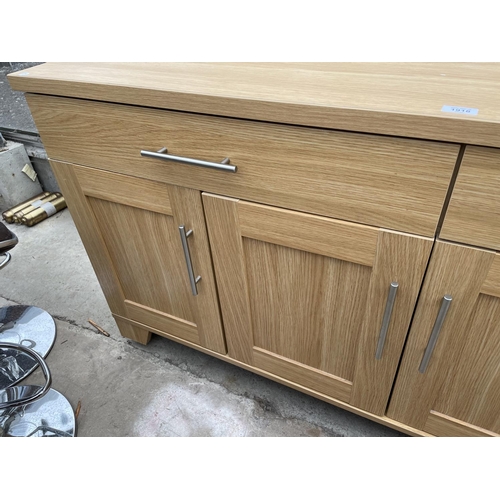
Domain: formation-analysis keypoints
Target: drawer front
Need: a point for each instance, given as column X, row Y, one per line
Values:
column 387, row 182
column 473, row 215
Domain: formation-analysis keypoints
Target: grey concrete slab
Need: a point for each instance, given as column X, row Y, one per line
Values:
column 162, row 389
column 16, row 123
column 45, row 174
column 15, row 185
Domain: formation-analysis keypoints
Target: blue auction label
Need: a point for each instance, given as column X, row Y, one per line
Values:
column 461, row 110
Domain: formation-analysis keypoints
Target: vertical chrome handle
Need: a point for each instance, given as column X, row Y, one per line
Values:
column 445, row 305
column 184, row 236
column 386, row 319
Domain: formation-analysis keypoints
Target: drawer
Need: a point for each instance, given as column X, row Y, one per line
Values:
column 387, row 182
column 473, row 215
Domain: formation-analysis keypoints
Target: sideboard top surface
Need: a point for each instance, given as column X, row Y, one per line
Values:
column 401, row 99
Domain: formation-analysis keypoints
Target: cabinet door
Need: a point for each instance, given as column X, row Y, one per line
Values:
column 130, row 228
column 303, row 297
column 457, row 393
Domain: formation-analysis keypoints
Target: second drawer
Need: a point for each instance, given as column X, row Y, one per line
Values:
column 473, row 215
column 387, row 182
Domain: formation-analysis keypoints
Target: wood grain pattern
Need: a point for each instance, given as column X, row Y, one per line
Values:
column 227, row 253
column 92, row 240
column 306, row 307
column 309, row 309
column 386, row 182
column 445, row 426
column 460, row 272
column 162, row 321
column 137, row 333
column 472, row 393
column 491, row 285
column 302, row 374
column 311, row 293
column 473, row 215
column 323, row 236
column 337, row 402
column 402, row 99
column 123, row 189
column 188, row 211
column 124, row 224
column 403, row 259
column 146, row 252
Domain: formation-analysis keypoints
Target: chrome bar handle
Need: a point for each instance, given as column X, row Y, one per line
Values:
column 445, row 305
column 162, row 155
column 386, row 319
column 6, row 260
column 184, row 236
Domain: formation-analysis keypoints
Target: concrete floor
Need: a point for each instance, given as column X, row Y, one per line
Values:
column 162, row 389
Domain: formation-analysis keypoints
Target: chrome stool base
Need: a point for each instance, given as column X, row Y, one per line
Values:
column 32, row 410
column 27, row 326
column 50, row 416
column 27, row 334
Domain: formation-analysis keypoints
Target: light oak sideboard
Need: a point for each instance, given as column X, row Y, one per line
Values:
column 333, row 227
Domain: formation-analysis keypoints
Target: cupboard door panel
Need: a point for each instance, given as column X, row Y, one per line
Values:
column 292, row 292
column 459, row 391
column 130, row 228
column 144, row 247
column 295, row 293
column 403, row 259
column 472, row 394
